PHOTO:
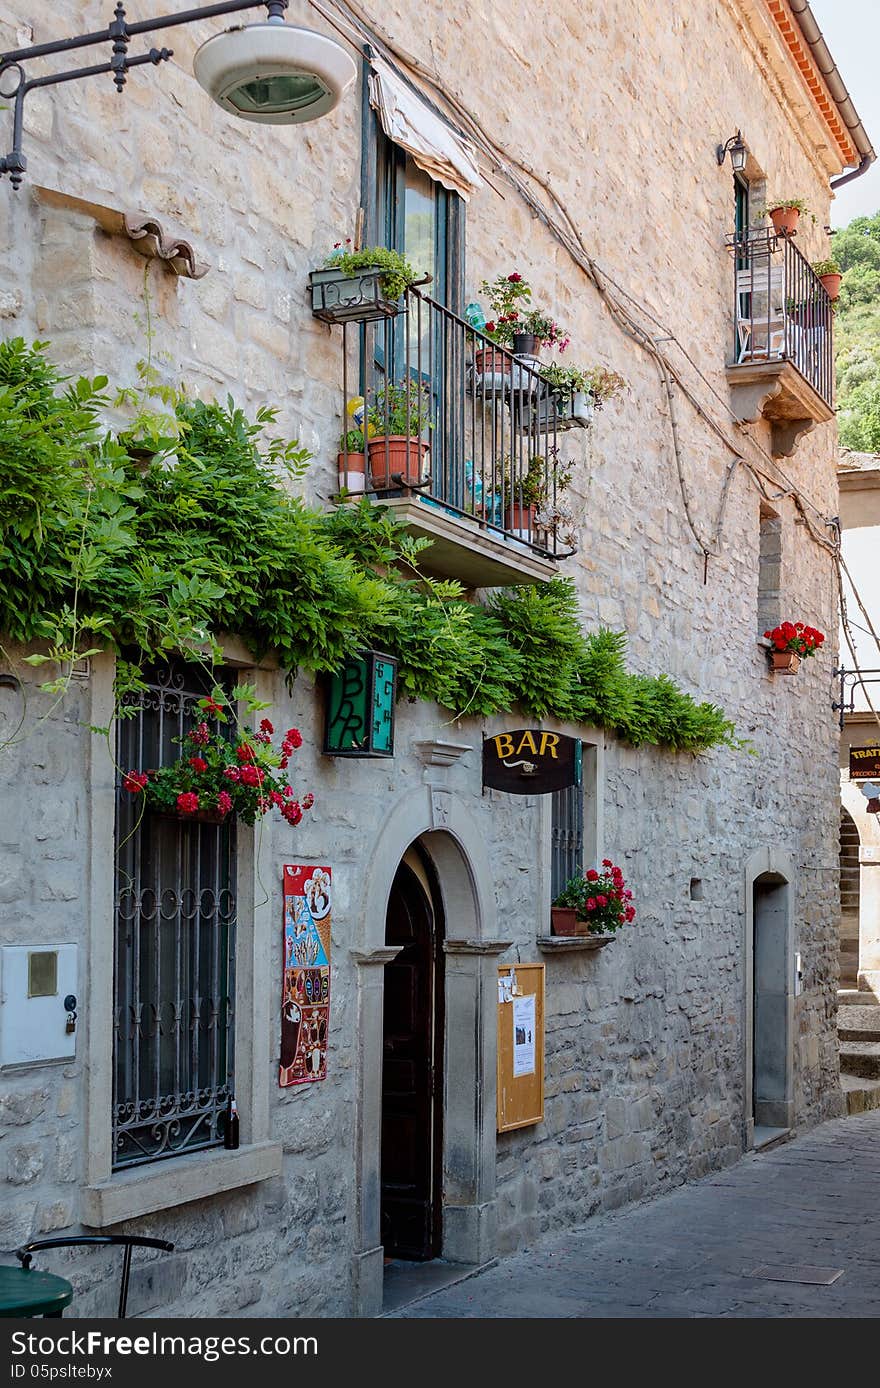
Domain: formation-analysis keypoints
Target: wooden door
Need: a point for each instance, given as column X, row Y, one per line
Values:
column 410, row 1071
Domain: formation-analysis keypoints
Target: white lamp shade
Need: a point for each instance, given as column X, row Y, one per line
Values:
column 274, row 73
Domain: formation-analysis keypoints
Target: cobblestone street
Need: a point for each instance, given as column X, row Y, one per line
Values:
column 808, row 1208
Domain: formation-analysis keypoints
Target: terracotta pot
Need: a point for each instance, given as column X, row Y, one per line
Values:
column 785, row 220
column 520, row 519
column 831, row 285
column 564, row 921
column 491, row 359
column 396, row 460
column 352, row 471
column 785, row 662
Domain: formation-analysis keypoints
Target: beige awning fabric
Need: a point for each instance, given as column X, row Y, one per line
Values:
column 445, row 156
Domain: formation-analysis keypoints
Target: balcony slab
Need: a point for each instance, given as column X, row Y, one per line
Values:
column 774, row 389
column 471, row 551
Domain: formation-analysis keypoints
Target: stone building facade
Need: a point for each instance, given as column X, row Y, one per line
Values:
column 651, row 1043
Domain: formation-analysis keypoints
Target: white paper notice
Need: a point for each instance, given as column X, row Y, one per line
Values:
column 524, row 1035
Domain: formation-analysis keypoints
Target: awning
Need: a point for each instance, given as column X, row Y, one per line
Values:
column 445, row 156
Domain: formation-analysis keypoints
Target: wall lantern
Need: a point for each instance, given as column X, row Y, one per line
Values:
column 269, row 72
column 359, row 713
column 738, row 152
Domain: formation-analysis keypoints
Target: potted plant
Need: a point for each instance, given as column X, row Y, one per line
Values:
column 524, row 330
column 525, row 485
column 360, row 286
column 828, row 271
column 575, row 394
column 352, row 461
column 600, row 901
column 785, row 214
column 792, row 642
column 217, row 776
column 399, row 416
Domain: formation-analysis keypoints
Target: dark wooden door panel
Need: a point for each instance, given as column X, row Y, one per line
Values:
column 408, row 1118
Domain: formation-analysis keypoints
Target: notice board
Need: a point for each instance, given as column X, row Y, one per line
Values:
column 520, row 1081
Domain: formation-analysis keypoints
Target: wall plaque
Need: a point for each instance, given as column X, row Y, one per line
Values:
column 531, row 761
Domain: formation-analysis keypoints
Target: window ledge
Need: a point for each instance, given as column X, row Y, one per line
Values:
column 163, row 1185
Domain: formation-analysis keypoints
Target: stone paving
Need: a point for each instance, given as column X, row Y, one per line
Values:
column 813, row 1203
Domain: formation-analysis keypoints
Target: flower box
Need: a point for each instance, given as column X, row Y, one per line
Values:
column 784, row 662
column 358, row 298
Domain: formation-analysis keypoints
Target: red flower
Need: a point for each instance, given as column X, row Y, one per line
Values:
column 245, row 752
column 282, row 765
column 292, row 812
column 490, row 328
column 224, row 802
column 308, row 801
column 198, row 764
column 592, row 875
column 200, row 734
column 294, row 737
column 262, row 737
column 263, row 804
column 210, row 705
column 277, row 798
column 630, row 913
column 606, row 862
column 601, row 901
column 515, row 278
column 232, row 773
column 134, row 781
column 266, row 726
column 252, row 776
column 188, row 802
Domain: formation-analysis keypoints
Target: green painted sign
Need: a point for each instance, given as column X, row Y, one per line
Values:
column 360, row 707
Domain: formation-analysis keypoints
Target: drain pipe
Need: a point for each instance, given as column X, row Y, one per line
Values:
column 833, row 80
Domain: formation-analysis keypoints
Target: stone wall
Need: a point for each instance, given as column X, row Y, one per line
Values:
column 621, row 111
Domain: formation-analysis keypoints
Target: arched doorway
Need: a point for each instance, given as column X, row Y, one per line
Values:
column 849, row 900
column 769, row 994
column 412, row 1065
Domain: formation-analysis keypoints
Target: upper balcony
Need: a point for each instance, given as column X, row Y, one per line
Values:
column 463, row 442
column 783, row 363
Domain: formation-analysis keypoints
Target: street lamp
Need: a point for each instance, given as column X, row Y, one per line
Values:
column 738, row 152
column 269, row 72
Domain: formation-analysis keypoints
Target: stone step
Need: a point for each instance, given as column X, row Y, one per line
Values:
column 857, row 997
column 858, row 1023
column 861, row 1095
column 860, row 1058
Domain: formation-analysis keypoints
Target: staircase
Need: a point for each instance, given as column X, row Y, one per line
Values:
column 858, row 1029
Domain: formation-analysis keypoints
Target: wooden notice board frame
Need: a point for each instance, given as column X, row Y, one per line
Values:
column 520, row 1098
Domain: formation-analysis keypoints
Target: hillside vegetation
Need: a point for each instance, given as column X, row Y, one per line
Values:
column 856, row 248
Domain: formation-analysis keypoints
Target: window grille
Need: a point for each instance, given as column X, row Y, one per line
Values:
column 566, row 837
column 174, row 983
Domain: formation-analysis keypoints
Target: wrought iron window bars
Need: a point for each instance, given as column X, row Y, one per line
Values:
column 118, row 34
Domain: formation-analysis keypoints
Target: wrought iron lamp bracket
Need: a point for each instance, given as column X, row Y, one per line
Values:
column 118, row 34
column 850, row 680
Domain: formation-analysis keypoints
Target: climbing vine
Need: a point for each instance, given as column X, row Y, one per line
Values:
column 165, row 535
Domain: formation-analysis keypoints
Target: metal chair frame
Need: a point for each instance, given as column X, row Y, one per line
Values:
column 126, row 1241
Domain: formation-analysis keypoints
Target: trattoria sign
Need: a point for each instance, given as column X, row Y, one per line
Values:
column 530, row 761
column 864, row 763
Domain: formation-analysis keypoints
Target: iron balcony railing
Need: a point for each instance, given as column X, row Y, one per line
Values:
column 782, row 311
column 476, row 431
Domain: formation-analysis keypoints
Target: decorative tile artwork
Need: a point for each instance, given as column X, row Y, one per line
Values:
column 305, row 1002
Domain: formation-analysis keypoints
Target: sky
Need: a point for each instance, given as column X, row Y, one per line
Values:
column 852, row 31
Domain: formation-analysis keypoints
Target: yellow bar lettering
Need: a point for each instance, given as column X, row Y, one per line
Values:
column 527, row 741
column 549, row 743
column 504, row 745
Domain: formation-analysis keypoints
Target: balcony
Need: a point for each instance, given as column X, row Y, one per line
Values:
column 464, row 445
column 783, row 366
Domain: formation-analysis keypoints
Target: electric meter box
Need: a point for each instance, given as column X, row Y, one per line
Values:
column 35, row 982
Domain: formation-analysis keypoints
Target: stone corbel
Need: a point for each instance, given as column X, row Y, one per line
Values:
column 751, row 397
column 146, row 235
column 786, row 434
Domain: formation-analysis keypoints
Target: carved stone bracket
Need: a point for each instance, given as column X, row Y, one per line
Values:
column 776, row 391
column 439, row 753
column 147, row 236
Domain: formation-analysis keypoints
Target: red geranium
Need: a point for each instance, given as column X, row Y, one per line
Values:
column 134, row 781
column 796, row 637
column 198, row 764
column 188, row 802
column 600, row 898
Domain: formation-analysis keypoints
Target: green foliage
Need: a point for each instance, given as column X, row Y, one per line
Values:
column 856, row 248
column 163, row 555
column 402, row 408
column 397, row 273
column 825, row 267
column 352, row 441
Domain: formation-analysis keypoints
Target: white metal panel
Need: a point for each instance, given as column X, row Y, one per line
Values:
column 34, row 1030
